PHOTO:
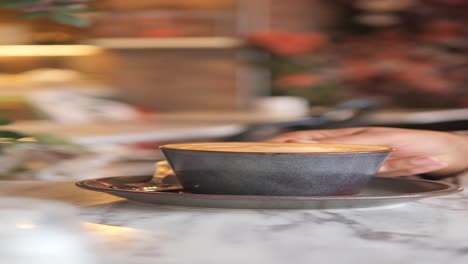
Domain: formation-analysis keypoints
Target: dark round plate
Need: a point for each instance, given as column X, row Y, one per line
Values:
column 379, row 192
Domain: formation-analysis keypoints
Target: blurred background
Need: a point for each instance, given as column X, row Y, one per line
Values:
column 91, row 88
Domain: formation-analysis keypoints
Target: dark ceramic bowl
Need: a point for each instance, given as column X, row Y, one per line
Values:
column 253, row 168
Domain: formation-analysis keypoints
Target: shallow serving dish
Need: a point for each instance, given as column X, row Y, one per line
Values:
column 275, row 169
column 167, row 191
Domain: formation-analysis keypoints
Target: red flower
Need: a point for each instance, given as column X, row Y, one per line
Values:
column 297, row 80
column 288, row 43
column 440, row 30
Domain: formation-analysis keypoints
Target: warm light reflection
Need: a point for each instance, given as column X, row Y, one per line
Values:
column 114, row 236
column 25, row 225
column 47, row 50
column 108, row 229
column 27, row 139
column 169, row 43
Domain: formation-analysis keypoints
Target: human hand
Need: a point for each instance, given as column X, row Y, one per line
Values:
column 415, row 151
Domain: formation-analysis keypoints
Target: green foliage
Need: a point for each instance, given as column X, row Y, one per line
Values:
column 11, row 135
column 69, row 19
column 18, row 169
column 17, row 3
column 48, row 139
column 4, row 122
column 62, row 12
column 10, row 138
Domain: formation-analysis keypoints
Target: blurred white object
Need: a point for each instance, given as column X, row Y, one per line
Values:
column 75, row 107
column 417, row 117
column 23, row 161
column 46, row 75
column 282, row 105
column 72, row 163
column 101, row 161
column 42, row 232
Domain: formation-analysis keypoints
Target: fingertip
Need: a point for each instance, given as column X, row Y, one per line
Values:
column 428, row 162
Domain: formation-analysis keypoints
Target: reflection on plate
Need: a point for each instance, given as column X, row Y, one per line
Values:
column 379, row 192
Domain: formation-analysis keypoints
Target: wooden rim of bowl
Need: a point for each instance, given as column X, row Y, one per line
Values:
column 276, row 148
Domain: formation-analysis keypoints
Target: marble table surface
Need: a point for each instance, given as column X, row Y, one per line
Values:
column 430, row 231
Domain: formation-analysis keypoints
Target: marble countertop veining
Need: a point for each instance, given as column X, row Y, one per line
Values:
column 430, row 231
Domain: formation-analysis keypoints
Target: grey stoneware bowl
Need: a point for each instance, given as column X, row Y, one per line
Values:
column 274, row 169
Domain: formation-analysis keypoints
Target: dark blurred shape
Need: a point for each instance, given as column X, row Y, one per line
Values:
column 344, row 114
